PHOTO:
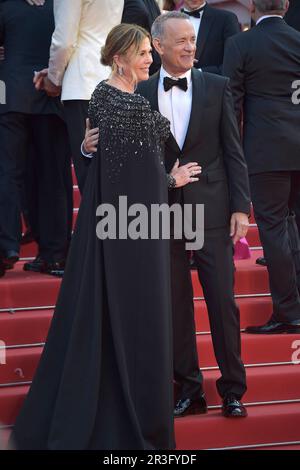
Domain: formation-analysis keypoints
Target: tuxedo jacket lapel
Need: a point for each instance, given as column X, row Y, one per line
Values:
column 205, row 26
column 152, row 91
column 152, row 97
column 197, row 108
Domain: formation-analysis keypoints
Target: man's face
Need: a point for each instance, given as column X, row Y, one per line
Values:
column 193, row 4
column 178, row 46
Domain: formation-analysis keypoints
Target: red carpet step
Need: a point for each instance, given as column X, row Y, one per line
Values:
column 28, row 327
column 22, row 289
column 264, row 425
column 273, row 381
column 255, row 350
column 279, row 447
column 25, row 327
column 30, row 250
column 265, row 384
column 253, row 311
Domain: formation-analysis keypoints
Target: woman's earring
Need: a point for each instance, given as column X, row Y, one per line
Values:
column 120, row 71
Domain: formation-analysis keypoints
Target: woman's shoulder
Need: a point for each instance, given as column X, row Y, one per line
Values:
column 110, row 103
column 116, row 97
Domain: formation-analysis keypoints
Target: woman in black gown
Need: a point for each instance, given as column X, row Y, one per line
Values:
column 105, row 377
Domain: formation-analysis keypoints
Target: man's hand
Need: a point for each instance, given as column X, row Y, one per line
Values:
column 91, row 138
column 39, row 79
column 185, row 174
column 2, row 53
column 37, row 3
column 42, row 82
column 239, row 225
column 52, row 90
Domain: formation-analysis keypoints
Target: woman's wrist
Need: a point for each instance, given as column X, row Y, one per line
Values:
column 171, row 181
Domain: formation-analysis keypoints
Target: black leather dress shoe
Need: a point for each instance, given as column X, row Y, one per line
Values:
column 10, row 258
column 190, row 407
column 274, row 327
column 2, row 268
column 233, row 408
column 56, row 268
column 261, row 261
column 39, row 265
column 35, row 266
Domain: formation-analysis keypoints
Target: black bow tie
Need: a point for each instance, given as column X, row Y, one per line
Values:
column 194, row 13
column 170, row 82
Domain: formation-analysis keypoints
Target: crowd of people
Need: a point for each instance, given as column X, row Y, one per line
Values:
column 182, row 109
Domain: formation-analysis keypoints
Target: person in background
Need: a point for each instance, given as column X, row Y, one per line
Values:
column 29, row 118
column 292, row 16
column 81, row 27
column 213, row 27
column 143, row 13
column 263, row 64
column 171, row 5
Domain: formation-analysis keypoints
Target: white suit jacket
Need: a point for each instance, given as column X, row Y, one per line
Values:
column 81, row 28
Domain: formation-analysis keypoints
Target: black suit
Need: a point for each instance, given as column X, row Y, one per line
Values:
column 216, row 27
column 213, row 141
column 292, row 16
column 143, row 13
column 31, row 118
column 263, row 63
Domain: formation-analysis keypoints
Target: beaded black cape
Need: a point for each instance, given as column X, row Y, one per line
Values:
column 105, row 378
column 128, row 128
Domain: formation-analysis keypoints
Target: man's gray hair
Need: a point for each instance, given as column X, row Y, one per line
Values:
column 265, row 6
column 158, row 27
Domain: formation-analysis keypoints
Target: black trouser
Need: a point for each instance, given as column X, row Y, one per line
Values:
column 296, row 209
column 216, row 274
column 273, row 194
column 76, row 112
column 48, row 136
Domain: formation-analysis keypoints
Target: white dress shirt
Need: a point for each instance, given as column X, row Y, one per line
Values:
column 267, row 16
column 196, row 22
column 176, row 105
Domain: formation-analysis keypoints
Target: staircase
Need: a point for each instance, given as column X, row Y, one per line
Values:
column 26, row 307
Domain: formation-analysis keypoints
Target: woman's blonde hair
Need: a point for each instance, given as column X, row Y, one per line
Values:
column 120, row 39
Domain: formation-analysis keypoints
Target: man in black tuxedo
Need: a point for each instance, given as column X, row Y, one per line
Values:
column 204, row 130
column 213, row 27
column 292, row 16
column 263, row 65
column 31, row 118
column 143, row 13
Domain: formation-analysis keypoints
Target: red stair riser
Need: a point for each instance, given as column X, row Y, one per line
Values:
column 264, row 384
column 25, row 327
column 265, row 424
column 32, row 327
column 20, row 289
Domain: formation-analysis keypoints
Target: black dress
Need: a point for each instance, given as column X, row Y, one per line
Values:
column 105, row 377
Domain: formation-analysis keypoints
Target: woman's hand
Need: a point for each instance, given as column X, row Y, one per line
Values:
column 91, row 138
column 185, row 174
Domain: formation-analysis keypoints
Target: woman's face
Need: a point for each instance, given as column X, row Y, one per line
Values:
column 137, row 64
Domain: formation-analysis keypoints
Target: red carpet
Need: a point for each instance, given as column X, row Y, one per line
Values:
column 273, row 381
